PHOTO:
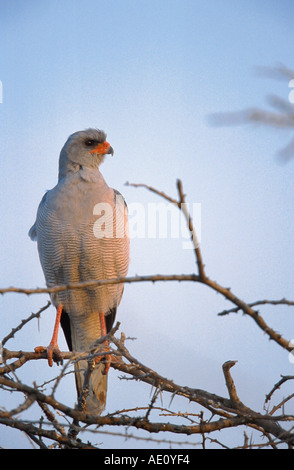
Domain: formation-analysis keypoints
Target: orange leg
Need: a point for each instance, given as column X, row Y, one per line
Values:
column 106, row 347
column 53, row 351
column 103, row 324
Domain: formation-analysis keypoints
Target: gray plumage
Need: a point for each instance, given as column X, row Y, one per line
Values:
column 82, row 235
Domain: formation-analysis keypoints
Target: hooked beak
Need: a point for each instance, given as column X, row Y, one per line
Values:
column 103, row 149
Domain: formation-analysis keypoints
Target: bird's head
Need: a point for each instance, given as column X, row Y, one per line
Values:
column 83, row 149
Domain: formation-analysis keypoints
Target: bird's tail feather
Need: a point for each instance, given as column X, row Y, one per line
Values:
column 91, row 383
column 91, row 387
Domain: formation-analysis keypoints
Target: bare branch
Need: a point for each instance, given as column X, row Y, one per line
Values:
column 230, row 383
column 232, row 411
column 259, row 302
column 192, row 231
column 101, row 282
column 284, row 379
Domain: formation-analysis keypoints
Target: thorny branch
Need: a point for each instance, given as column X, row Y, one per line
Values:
column 231, row 411
column 64, row 423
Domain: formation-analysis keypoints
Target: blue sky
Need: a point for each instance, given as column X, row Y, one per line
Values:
column 150, row 73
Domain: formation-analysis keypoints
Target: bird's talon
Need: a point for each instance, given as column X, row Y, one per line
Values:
column 107, row 364
column 106, row 359
column 107, row 367
column 40, row 349
column 53, row 354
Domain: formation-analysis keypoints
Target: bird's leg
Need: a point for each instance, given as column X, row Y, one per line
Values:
column 53, row 351
column 106, row 346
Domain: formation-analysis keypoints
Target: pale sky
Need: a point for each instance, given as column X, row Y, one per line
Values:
column 149, row 73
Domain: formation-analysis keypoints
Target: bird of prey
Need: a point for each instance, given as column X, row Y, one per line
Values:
column 81, row 230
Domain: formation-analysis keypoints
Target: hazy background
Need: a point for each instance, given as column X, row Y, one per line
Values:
column 150, row 72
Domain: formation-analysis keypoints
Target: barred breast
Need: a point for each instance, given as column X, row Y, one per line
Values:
column 82, row 235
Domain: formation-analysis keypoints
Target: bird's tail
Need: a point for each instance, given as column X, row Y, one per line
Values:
column 91, row 383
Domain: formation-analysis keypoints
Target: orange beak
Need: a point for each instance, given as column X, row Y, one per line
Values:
column 102, row 148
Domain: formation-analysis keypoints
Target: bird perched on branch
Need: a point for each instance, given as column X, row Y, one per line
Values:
column 82, row 235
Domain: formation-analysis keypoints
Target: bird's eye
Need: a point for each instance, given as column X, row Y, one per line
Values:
column 90, row 142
